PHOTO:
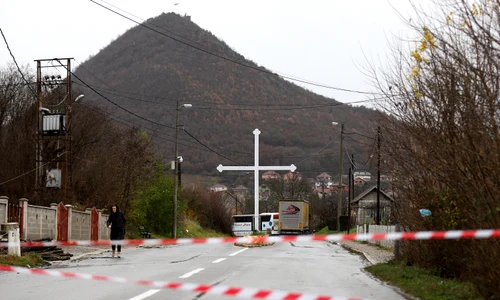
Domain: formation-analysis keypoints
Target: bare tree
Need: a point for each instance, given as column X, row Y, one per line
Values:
column 442, row 138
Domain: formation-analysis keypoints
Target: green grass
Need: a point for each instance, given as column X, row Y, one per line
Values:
column 31, row 260
column 192, row 229
column 422, row 283
column 326, row 230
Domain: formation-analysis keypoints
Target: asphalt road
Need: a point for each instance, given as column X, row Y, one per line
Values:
column 313, row 267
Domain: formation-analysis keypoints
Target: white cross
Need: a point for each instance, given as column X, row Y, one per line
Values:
column 256, row 168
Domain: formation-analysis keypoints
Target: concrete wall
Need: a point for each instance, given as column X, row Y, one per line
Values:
column 3, row 209
column 80, row 225
column 41, row 223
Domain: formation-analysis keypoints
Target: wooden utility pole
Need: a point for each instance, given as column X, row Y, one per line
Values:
column 351, row 188
column 378, row 175
column 57, row 128
column 339, row 201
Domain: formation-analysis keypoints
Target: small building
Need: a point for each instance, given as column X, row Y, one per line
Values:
column 367, row 176
column 365, row 206
column 270, row 175
column 241, row 190
column 218, row 188
column 323, row 180
column 358, row 181
column 292, row 177
column 264, row 192
column 322, row 192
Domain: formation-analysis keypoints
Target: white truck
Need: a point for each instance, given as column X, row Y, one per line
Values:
column 293, row 217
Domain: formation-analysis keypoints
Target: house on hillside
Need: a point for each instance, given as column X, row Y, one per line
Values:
column 367, row 176
column 365, row 206
column 385, row 178
column 264, row 192
column 358, row 181
column 322, row 192
column 323, row 180
column 241, row 190
column 292, row 177
column 324, row 177
column 218, row 188
column 335, row 187
column 270, row 175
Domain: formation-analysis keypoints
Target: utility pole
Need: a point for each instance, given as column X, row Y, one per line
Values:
column 174, row 225
column 351, row 188
column 52, row 126
column 176, row 166
column 378, row 175
column 339, row 201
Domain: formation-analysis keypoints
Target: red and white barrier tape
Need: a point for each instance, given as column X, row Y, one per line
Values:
column 238, row 292
column 420, row 235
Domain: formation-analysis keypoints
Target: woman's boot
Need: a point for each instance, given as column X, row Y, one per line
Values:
column 113, row 255
column 118, row 254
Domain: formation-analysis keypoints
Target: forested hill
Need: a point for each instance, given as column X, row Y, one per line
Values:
column 147, row 70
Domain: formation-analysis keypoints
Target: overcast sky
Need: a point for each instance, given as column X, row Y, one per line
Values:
column 324, row 41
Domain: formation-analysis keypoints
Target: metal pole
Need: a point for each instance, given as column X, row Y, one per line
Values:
column 378, row 175
column 174, row 227
column 339, row 201
column 349, row 202
column 351, row 180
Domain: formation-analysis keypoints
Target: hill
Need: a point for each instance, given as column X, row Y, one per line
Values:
column 149, row 68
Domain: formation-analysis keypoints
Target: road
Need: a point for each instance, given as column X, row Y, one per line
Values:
column 311, row 267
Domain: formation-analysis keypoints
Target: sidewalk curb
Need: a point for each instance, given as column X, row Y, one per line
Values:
column 87, row 254
column 364, row 254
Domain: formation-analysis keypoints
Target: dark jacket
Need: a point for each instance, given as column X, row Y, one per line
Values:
column 118, row 222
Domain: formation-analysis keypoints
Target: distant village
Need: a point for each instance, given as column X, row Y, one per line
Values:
column 360, row 193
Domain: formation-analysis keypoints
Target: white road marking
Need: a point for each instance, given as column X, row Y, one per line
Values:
column 238, row 252
column 145, row 295
column 192, row 273
column 218, row 260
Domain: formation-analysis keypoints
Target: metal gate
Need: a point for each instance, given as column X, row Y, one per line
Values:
column 62, row 223
column 94, row 225
column 14, row 213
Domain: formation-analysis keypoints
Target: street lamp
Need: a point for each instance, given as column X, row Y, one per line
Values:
column 79, row 97
column 339, row 200
column 176, row 161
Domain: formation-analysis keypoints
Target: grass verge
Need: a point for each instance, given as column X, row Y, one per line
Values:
column 422, row 283
column 192, row 229
column 30, row 260
column 326, row 230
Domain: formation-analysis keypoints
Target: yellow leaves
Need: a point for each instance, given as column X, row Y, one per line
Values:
column 478, row 9
column 475, row 10
column 418, row 95
column 414, row 72
column 449, row 18
column 428, row 39
column 416, row 55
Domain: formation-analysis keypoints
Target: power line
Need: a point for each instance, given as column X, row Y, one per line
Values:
column 201, row 143
column 233, row 60
column 197, row 140
column 114, row 103
column 31, row 171
column 15, row 62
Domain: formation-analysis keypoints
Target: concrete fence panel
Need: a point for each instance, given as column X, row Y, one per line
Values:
column 40, row 223
column 80, row 225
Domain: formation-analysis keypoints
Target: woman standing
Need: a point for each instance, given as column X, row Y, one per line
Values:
column 116, row 221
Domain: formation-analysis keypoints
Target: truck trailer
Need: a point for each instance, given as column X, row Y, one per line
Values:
column 293, row 217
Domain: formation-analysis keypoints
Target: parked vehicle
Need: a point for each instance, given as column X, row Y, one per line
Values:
column 242, row 225
column 293, row 217
column 270, row 222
